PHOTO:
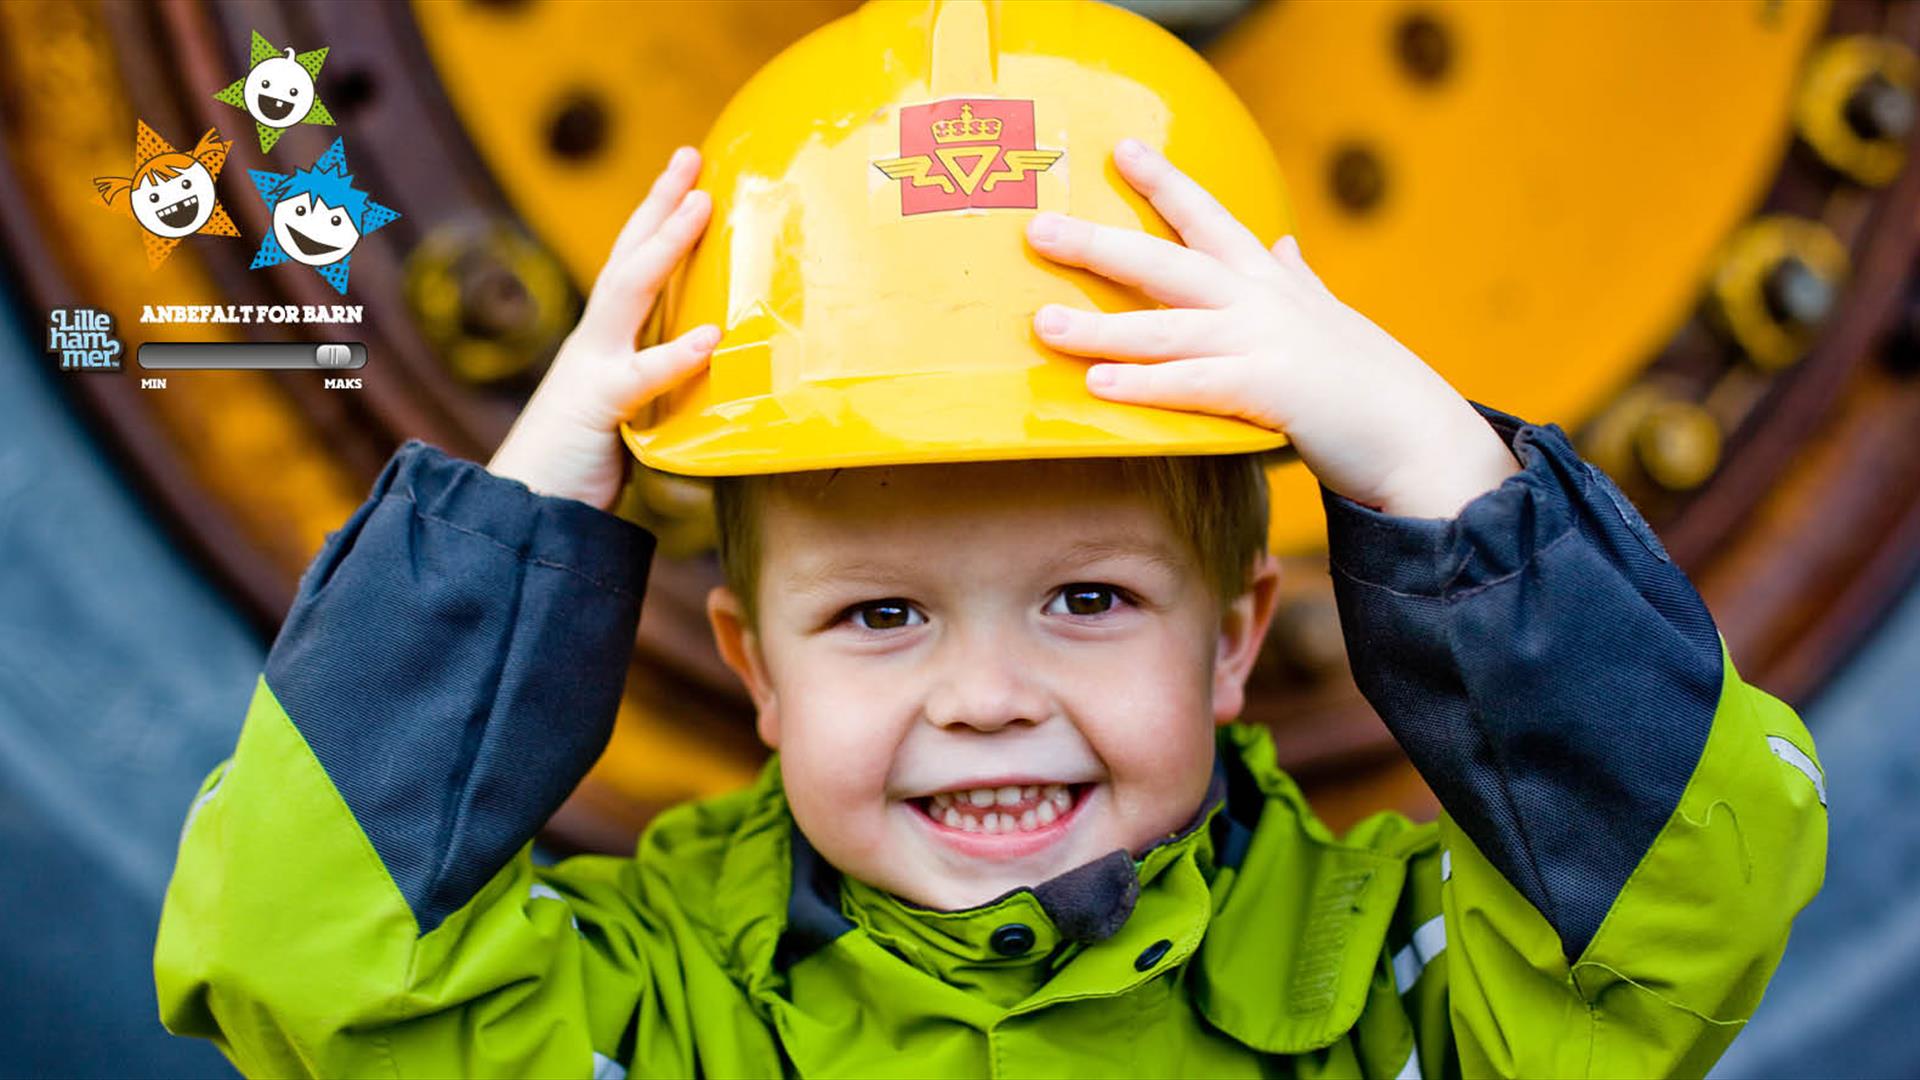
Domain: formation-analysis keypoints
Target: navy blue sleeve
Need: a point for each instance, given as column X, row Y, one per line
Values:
column 1546, row 666
column 455, row 657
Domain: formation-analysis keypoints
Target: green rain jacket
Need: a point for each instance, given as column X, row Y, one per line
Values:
column 1628, row 832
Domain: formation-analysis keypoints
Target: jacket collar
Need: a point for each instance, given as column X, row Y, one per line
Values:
column 1294, row 928
column 1062, row 914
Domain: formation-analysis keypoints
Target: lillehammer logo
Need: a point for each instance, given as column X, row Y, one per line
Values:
column 968, row 152
column 83, row 339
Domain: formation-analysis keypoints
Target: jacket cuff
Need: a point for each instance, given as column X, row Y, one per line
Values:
column 1493, row 536
column 546, row 530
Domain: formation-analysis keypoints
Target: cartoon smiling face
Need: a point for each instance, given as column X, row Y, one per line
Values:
column 177, row 207
column 279, row 91
column 313, row 232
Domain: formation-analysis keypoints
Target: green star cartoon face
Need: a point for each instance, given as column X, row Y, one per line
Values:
column 279, row 90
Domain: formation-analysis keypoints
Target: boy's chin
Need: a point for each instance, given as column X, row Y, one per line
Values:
column 950, row 893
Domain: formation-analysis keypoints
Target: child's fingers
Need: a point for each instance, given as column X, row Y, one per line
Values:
column 668, row 188
column 627, row 287
column 1163, row 334
column 1287, row 250
column 648, row 373
column 1164, row 270
column 1193, row 212
column 1221, row 385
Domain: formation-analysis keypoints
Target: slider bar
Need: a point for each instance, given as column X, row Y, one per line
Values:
column 252, row 355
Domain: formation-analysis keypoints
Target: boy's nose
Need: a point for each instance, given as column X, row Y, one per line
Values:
column 986, row 686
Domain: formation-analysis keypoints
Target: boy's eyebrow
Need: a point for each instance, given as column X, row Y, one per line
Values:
column 1080, row 553
column 851, row 571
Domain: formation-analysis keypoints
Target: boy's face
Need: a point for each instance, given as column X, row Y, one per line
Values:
column 980, row 676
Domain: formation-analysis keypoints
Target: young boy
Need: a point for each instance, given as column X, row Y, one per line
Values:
column 1010, row 828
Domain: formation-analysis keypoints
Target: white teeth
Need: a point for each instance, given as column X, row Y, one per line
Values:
column 960, row 810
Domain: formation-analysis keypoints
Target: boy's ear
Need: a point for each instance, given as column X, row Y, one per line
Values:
column 740, row 648
column 1243, row 626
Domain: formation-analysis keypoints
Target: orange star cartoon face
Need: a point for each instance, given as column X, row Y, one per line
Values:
column 171, row 193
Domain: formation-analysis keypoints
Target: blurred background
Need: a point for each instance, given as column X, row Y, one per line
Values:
column 1687, row 232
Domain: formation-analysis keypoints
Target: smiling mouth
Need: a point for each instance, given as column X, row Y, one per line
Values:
column 180, row 214
column 308, row 245
column 271, row 107
column 1030, row 808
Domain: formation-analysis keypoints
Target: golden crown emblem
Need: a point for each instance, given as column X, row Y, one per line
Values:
column 965, row 128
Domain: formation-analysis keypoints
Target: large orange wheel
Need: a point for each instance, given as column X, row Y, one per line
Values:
column 1582, row 213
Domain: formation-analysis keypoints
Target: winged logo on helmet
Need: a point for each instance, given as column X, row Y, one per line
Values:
column 962, row 153
column 915, row 170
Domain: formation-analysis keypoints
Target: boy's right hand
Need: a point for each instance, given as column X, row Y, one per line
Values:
column 566, row 441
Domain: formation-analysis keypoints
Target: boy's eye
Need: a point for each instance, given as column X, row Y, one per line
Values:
column 1084, row 600
column 887, row 615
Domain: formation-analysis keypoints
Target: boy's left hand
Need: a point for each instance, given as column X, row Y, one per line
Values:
column 1252, row 333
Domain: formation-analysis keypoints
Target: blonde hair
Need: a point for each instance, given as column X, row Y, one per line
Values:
column 1218, row 504
column 164, row 166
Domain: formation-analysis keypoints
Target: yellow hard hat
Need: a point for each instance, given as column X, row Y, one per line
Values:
column 866, row 259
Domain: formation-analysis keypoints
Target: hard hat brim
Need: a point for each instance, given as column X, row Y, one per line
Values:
column 1043, row 411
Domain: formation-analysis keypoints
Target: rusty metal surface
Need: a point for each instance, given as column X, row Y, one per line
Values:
column 1799, row 524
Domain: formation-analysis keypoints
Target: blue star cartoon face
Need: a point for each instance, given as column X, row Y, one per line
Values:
column 319, row 217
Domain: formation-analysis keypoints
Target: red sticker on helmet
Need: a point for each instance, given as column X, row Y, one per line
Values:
column 968, row 152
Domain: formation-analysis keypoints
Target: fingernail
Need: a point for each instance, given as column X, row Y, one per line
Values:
column 1044, row 226
column 1131, row 149
column 704, row 337
column 1100, row 376
column 681, row 157
column 1052, row 320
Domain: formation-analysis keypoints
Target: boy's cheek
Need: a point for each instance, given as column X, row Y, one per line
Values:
column 840, row 741
column 837, row 799
column 1159, row 687
column 1152, row 722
